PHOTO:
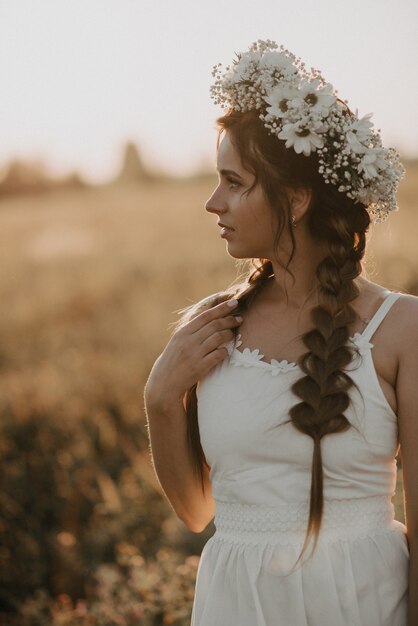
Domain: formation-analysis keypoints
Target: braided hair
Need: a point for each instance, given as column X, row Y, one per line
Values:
column 340, row 225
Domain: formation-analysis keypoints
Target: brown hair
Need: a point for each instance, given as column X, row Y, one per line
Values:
column 339, row 225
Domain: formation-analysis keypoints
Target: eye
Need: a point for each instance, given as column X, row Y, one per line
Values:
column 233, row 184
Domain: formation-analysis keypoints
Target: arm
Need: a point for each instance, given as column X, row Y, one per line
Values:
column 407, row 398
column 167, row 431
column 191, row 353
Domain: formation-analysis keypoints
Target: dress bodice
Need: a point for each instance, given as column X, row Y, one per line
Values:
column 257, row 456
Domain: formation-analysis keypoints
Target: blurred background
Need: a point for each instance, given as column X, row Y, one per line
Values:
column 107, row 155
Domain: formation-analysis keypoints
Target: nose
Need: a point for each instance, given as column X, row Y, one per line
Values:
column 215, row 204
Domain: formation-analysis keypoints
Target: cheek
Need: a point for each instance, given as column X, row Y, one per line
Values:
column 256, row 213
column 263, row 217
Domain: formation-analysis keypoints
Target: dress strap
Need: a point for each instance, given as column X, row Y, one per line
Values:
column 380, row 314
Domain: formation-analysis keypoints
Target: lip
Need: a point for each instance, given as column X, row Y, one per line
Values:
column 226, row 232
column 224, row 226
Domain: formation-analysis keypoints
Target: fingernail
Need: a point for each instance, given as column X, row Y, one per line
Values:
column 232, row 303
column 238, row 318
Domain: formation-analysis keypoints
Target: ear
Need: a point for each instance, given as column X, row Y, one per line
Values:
column 300, row 201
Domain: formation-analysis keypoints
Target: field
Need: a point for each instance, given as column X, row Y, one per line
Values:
column 90, row 281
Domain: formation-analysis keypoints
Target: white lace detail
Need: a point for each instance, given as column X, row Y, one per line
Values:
column 251, row 358
column 286, row 524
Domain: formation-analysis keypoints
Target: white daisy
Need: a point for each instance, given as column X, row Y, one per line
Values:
column 361, row 127
column 358, row 133
column 279, row 98
column 355, row 144
column 372, row 163
column 302, row 139
column 316, row 97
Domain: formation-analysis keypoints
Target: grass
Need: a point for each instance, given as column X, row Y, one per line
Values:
column 90, row 281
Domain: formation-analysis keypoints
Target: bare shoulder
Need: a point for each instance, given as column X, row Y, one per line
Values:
column 407, row 323
column 408, row 306
column 403, row 316
column 400, row 330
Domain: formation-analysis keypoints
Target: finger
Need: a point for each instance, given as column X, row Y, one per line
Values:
column 216, row 326
column 215, row 312
column 216, row 340
column 213, row 359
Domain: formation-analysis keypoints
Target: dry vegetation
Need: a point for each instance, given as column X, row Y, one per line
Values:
column 90, row 281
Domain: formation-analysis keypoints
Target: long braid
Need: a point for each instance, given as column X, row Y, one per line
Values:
column 324, row 388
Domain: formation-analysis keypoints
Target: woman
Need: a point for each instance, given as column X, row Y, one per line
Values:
column 288, row 431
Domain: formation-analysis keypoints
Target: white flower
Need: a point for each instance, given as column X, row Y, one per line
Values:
column 238, row 70
column 253, row 355
column 281, row 366
column 372, row 162
column 316, row 98
column 246, row 358
column 278, row 61
column 358, row 133
column 279, row 98
column 354, row 144
column 236, row 73
column 302, row 139
column 361, row 127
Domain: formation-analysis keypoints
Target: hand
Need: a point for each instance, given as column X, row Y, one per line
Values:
column 192, row 352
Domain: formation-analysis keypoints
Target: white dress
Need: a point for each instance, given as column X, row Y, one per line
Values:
column 260, row 476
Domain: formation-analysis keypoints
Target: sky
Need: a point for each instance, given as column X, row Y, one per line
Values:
column 80, row 78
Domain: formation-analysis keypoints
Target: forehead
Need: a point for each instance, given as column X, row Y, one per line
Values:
column 228, row 157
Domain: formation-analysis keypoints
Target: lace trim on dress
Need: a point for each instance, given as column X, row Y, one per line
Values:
column 251, row 358
column 286, row 524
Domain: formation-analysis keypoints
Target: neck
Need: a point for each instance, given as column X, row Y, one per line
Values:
column 302, row 289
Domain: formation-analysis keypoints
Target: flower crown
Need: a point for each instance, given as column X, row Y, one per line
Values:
column 300, row 108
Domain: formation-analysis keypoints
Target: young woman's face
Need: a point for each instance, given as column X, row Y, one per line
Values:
column 246, row 220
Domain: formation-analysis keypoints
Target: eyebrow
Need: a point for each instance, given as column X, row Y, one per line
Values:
column 230, row 173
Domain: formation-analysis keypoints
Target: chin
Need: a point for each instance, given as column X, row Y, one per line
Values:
column 237, row 253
